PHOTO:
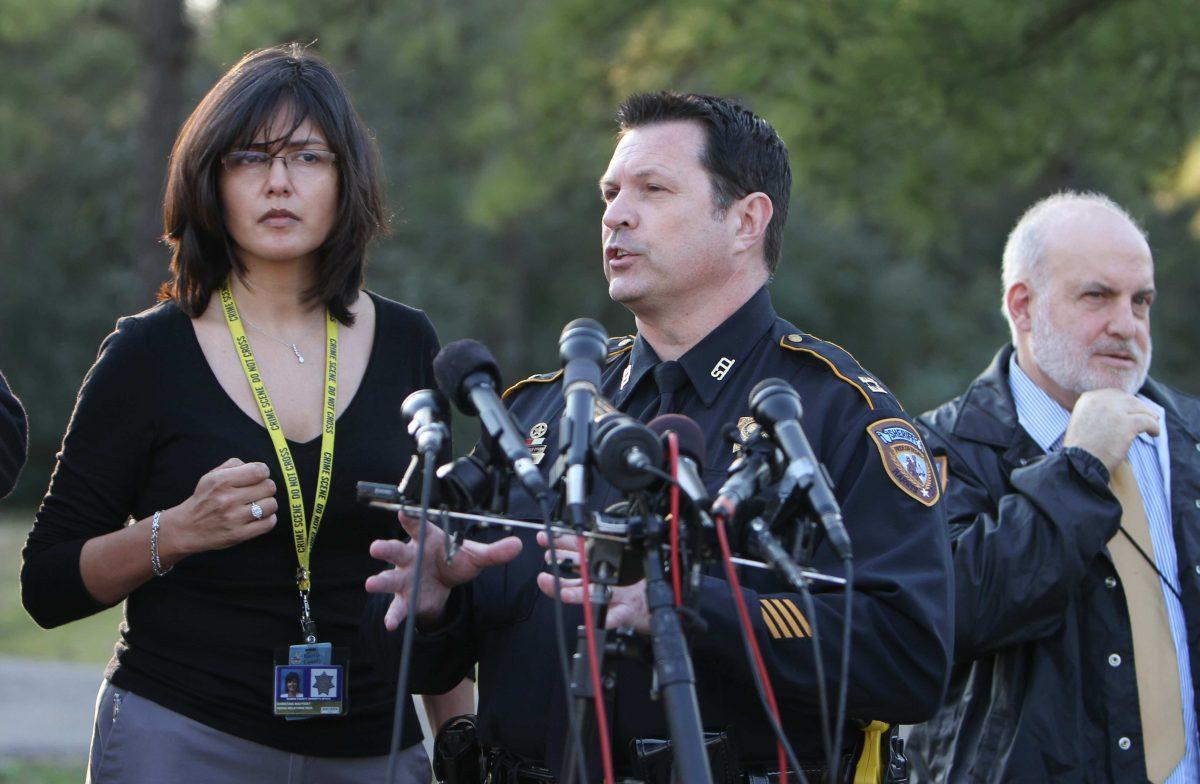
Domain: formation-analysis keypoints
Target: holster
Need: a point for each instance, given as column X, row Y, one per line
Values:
column 897, row 766
column 457, row 755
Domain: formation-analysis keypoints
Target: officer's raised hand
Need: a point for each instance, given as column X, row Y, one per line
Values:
column 627, row 606
column 1104, row 422
column 438, row 577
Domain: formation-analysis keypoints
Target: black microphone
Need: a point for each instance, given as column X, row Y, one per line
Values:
column 753, row 470
column 582, row 348
column 423, row 413
column 691, row 455
column 467, row 373
column 627, row 453
column 463, row 485
column 776, row 407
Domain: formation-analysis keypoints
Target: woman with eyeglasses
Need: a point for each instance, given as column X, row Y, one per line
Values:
column 207, row 477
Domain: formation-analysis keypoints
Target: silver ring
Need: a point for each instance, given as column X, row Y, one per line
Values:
column 256, row 511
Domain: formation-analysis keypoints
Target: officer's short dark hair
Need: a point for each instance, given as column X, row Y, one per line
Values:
column 238, row 108
column 742, row 152
column 292, row 677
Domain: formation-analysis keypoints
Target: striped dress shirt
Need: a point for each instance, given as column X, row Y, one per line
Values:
column 1046, row 423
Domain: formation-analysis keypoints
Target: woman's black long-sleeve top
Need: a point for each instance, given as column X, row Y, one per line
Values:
column 150, row 420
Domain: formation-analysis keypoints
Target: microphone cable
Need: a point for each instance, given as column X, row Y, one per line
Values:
column 832, row 740
column 589, row 625
column 560, row 627
column 762, row 681
column 410, row 622
column 843, row 684
column 832, row 753
column 676, row 568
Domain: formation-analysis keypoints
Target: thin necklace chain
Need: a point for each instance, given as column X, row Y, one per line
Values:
column 287, row 344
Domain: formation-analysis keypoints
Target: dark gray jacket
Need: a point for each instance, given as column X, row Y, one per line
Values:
column 1039, row 608
column 13, row 438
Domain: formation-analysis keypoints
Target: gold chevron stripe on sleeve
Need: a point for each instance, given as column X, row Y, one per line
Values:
column 799, row 617
column 770, row 612
column 771, row 627
column 782, row 611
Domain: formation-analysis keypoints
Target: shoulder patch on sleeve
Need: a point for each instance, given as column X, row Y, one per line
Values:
column 841, row 362
column 905, row 460
column 536, row 378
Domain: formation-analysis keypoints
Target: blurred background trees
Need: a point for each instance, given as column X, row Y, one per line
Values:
column 919, row 130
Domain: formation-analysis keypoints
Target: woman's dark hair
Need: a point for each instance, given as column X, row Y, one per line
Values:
column 742, row 152
column 231, row 116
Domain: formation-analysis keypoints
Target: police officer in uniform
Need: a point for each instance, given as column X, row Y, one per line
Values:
column 695, row 201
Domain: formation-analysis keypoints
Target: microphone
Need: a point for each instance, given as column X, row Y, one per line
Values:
column 627, row 453
column 462, row 486
column 467, row 373
column 691, row 455
column 582, row 348
column 776, row 407
column 422, row 412
column 752, row 471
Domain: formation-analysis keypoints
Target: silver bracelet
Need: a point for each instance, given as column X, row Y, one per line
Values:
column 155, row 563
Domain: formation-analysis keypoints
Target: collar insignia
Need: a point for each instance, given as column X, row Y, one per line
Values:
column 722, row 368
column 625, row 375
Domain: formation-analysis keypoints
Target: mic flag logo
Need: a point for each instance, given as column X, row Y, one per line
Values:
column 905, row 460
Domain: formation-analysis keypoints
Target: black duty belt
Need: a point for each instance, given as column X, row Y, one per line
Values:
column 503, row 767
column 815, row 773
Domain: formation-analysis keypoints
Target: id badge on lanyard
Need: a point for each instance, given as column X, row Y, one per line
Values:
column 310, row 684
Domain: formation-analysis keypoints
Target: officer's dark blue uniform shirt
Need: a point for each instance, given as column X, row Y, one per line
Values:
column 885, row 482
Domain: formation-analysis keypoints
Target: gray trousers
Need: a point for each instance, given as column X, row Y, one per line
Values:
column 136, row 741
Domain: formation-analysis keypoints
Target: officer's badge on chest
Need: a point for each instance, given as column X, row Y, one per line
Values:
column 747, row 428
column 537, row 441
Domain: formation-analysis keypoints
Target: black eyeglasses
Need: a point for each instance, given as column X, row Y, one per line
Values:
column 257, row 162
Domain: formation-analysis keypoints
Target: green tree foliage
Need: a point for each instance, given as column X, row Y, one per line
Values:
column 918, row 130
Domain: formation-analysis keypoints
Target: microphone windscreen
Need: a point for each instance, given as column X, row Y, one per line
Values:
column 423, row 399
column 458, row 360
column 691, row 437
column 583, row 338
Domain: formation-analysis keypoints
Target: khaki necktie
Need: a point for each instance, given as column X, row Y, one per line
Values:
column 1159, row 700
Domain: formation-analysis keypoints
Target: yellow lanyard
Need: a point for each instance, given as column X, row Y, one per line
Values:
column 303, row 536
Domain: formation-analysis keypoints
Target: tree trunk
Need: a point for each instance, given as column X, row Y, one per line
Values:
column 164, row 37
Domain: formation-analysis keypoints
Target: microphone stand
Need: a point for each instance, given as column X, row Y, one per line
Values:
column 673, row 663
column 604, row 557
column 378, row 495
column 674, row 675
